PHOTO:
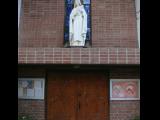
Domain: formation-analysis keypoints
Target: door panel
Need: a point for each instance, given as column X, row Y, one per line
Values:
column 61, row 97
column 77, row 96
column 93, row 100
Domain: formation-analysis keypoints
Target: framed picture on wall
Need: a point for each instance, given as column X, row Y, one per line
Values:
column 125, row 89
column 31, row 88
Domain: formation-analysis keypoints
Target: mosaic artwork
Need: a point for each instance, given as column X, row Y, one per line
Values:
column 125, row 89
column 30, row 89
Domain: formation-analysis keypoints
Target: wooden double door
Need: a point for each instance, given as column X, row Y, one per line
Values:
column 77, row 96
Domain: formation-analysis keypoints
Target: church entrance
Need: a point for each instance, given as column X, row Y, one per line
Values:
column 77, row 96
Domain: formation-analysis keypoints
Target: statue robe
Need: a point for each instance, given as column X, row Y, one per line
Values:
column 78, row 26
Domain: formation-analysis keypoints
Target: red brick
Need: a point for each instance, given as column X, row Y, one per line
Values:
column 113, row 24
column 124, row 110
column 35, row 109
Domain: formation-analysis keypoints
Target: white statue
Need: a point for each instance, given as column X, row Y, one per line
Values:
column 77, row 25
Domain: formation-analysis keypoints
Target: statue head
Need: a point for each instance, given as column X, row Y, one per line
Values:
column 77, row 3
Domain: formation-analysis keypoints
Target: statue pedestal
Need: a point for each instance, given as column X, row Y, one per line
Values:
column 77, row 43
column 67, row 45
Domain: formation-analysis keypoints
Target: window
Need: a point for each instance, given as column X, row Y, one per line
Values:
column 124, row 89
column 31, row 88
column 68, row 8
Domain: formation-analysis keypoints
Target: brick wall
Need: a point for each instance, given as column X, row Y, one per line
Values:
column 33, row 108
column 124, row 110
column 41, row 23
column 78, row 56
column 113, row 23
column 119, row 110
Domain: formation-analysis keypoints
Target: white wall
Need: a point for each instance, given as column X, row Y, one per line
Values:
column 19, row 9
column 137, row 5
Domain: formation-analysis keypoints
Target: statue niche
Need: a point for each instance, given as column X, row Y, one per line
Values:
column 77, row 25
